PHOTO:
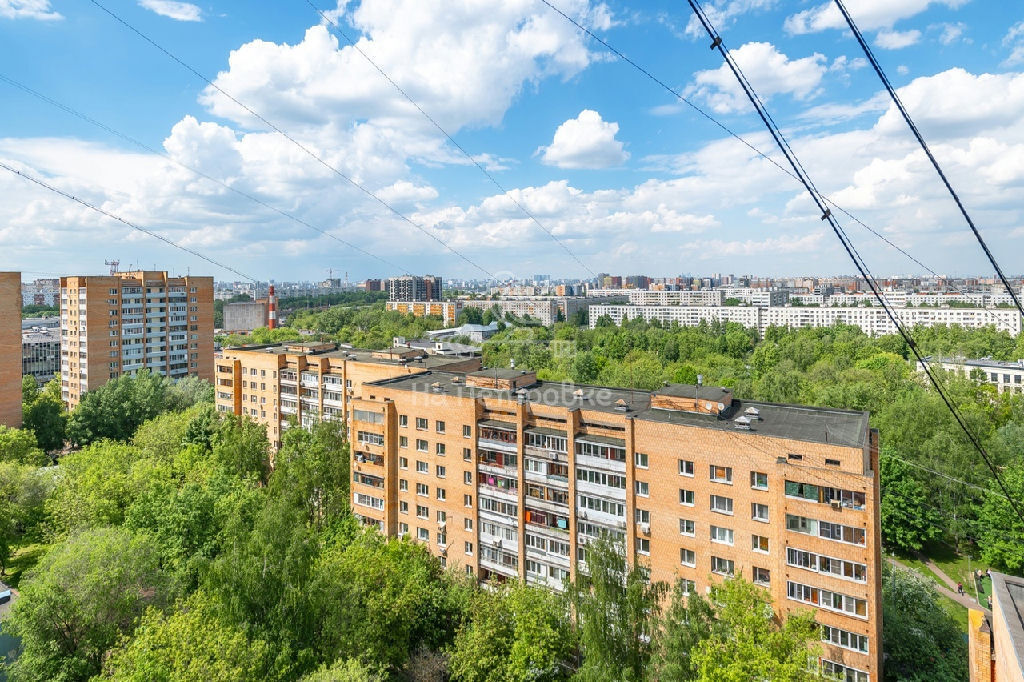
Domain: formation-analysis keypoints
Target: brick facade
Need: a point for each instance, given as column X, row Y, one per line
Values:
column 10, row 349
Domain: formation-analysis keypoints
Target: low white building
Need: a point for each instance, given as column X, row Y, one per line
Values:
column 1005, row 376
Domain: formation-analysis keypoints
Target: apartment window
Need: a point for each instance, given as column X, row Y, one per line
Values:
column 845, row 639
column 722, row 566
column 687, row 557
column 827, row 599
column 467, row 431
column 642, row 488
column 721, row 474
column 439, row 448
column 467, row 500
column 469, row 549
column 721, row 504
column 423, row 534
column 804, row 491
column 467, row 455
column 439, row 426
column 403, row 485
column 685, row 467
column 839, row 568
column 442, row 494
column 467, row 524
column 422, row 512
column 643, row 546
column 421, row 445
column 762, row 576
column 689, row 587
column 841, row 533
column 758, row 480
column 403, row 463
column 832, row 462
column 422, row 467
column 687, row 527
column 801, row 524
column 421, row 423
column 403, row 420
column 721, row 535
column 403, row 507
column 403, row 441
column 759, row 543
column 642, row 516
column 686, row 497
column 759, row 512
column 640, row 460
column 403, row 529
column 423, row 490
column 442, row 516
column 467, row 477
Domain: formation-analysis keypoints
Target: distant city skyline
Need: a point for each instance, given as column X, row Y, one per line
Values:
column 627, row 179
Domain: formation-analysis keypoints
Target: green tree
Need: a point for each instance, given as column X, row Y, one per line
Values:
column 615, row 606
column 117, row 408
column 1000, row 531
column 517, row 632
column 80, row 599
column 312, row 469
column 19, row 445
column 922, row 640
column 345, row 670
column 747, row 642
column 188, row 392
column 23, row 492
column 908, row 520
column 93, row 487
column 241, row 446
column 43, row 413
column 686, row 623
column 194, row 643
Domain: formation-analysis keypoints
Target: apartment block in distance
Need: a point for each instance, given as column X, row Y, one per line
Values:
column 414, row 288
column 304, row 382
column 117, row 324
column 511, row 477
column 10, row 349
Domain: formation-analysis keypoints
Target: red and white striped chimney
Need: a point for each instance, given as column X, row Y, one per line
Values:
column 271, row 307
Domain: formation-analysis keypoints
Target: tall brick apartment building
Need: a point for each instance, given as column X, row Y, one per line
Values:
column 121, row 323
column 307, row 381
column 10, row 349
column 508, row 476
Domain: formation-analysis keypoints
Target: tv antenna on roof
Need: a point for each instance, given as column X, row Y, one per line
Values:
column 113, row 265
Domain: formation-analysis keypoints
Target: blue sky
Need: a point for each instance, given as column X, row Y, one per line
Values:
column 628, row 179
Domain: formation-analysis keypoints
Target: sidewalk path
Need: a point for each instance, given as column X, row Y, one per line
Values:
column 963, row 600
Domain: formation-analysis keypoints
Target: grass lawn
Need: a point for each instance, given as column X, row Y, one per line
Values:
column 956, row 567
column 22, row 559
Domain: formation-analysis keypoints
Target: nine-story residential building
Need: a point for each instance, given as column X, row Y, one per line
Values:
column 10, row 349
column 117, row 324
column 511, row 477
column 277, row 384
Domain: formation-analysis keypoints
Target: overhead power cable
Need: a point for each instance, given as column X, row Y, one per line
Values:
column 155, row 235
column 826, row 215
column 312, row 154
column 697, row 108
column 337, row 27
column 153, row 150
column 983, row 489
column 931, row 157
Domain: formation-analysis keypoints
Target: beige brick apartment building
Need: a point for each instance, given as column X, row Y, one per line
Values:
column 10, row 349
column 306, row 381
column 118, row 324
column 508, row 476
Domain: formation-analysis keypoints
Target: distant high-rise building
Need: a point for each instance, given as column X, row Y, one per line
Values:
column 41, row 292
column 10, row 349
column 121, row 323
column 373, row 285
column 414, row 288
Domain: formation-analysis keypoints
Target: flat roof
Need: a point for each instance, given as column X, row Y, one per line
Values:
column 844, row 428
column 979, row 362
column 1008, row 591
column 427, row 361
column 691, row 390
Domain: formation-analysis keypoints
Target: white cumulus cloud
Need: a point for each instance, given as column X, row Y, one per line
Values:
column 28, row 9
column 179, row 11
column 586, row 141
column 770, row 71
column 869, row 14
column 897, row 40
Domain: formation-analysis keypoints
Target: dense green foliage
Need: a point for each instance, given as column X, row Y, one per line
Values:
column 43, row 413
column 39, row 310
column 922, row 641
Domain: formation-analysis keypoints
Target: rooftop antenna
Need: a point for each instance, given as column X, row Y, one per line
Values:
column 113, row 265
column 696, row 390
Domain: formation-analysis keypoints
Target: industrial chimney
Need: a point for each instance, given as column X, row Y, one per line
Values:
column 271, row 307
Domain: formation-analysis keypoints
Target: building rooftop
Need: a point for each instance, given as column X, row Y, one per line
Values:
column 388, row 356
column 1008, row 590
column 845, row 428
column 978, row 362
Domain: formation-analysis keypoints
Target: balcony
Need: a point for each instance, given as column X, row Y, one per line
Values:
column 368, row 458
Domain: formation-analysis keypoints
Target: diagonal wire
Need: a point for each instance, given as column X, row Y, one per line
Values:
column 472, row 159
column 316, row 157
column 153, row 150
column 826, row 215
column 155, row 235
column 924, row 145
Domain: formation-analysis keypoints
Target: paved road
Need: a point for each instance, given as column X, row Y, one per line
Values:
column 963, row 599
